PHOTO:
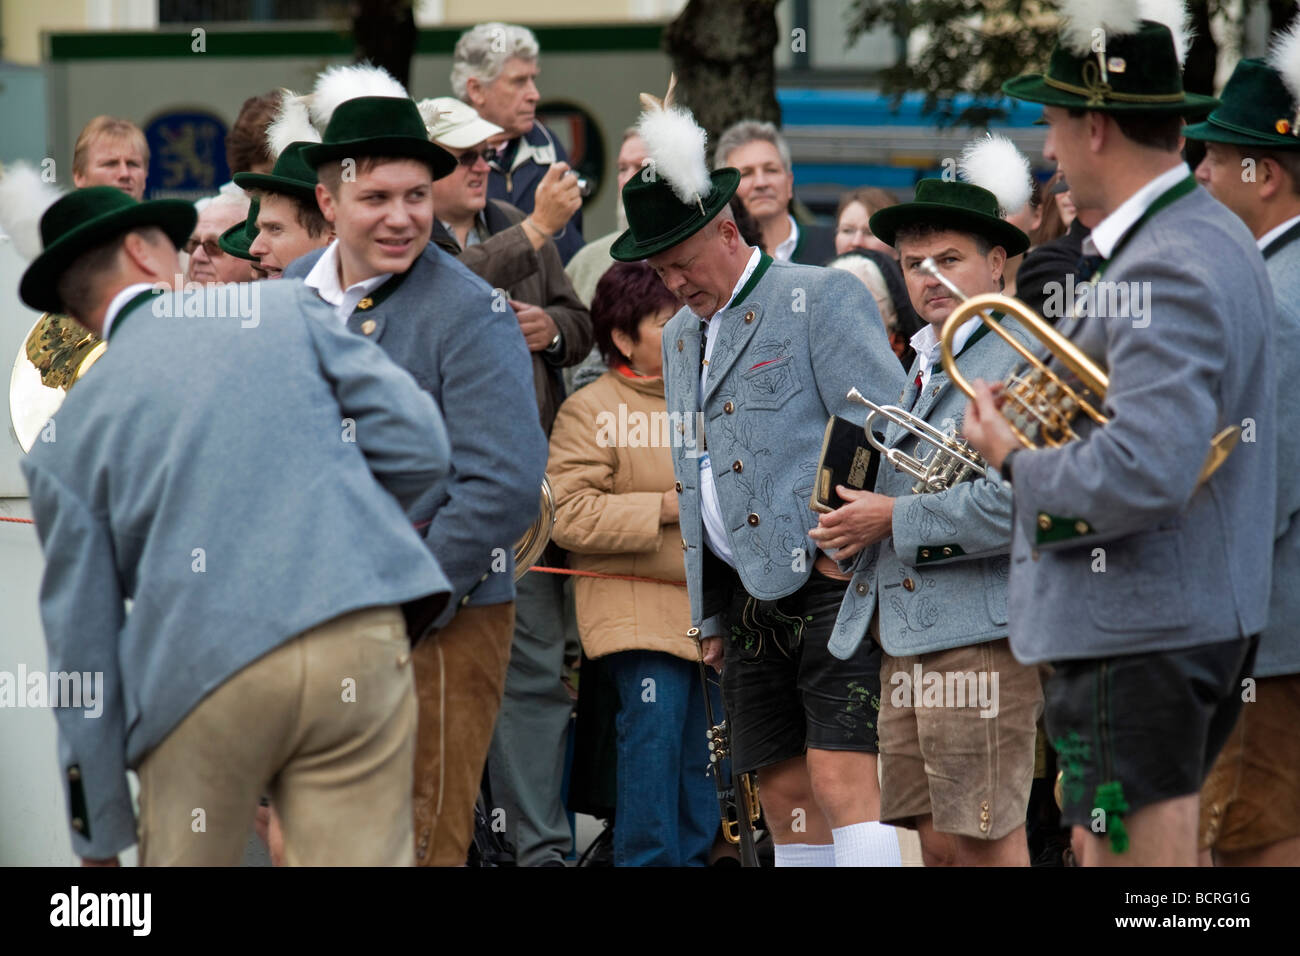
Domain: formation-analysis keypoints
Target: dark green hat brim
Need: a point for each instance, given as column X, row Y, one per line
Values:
column 236, row 241
column 1213, row 132
column 266, row 182
column 38, row 287
column 409, row 147
column 886, row 223
column 1033, row 88
column 628, row 248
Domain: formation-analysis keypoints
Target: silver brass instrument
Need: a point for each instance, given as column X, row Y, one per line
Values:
column 53, row 357
column 1039, row 404
column 533, row 542
column 951, row 461
column 738, row 803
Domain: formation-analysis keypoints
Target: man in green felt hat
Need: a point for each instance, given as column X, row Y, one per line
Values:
column 459, row 338
column 288, row 222
column 189, row 572
column 1250, row 804
column 957, row 768
column 756, row 361
column 1140, row 562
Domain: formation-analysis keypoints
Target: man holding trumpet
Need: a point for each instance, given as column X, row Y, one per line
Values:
column 931, row 562
column 1139, row 572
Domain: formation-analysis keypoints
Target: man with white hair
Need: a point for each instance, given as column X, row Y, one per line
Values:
column 762, row 155
column 208, row 261
column 494, row 69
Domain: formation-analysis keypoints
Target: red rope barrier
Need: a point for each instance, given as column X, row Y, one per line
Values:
column 18, row 520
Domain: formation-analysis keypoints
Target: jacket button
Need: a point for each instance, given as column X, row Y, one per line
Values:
column 683, row 544
column 749, row 316
column 909, row 584
column 947, row 552
column 366, row 303
column 368, row 327
column 74, row 774
column 861, row 589
column 677, row 486
column 984, row 826
column 78, row 824
column 680, row 345
column 737, row 466
column 1081, row 527
column 925, row 552
column 729, row 408
column 1045, row 522
column 753, row 520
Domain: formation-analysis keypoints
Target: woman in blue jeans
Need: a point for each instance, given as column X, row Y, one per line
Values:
column 616, row 513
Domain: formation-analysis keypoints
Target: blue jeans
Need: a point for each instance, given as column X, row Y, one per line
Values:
column 667, row 811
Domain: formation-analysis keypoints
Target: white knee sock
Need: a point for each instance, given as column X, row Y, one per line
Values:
column 805, row 854
column 866, row 844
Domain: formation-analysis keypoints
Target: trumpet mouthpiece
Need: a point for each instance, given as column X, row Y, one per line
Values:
column 856, row 396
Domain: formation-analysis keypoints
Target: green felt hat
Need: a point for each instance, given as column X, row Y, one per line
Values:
column 378, row 126
column 1256, row 109
column 1140, row 72
column 292, row 175
column 963, row 207
column 87, row 218
column 657, row 219
column 236, row 240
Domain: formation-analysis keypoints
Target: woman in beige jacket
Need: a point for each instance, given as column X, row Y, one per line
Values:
column 616, row 513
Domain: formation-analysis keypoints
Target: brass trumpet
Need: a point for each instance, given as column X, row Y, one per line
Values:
column 952, row 460
column 1040, row 406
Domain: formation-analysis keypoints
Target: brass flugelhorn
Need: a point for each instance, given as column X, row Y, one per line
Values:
column 1040, row 406
column 951, row 461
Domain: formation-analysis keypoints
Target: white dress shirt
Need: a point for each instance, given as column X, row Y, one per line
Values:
column 1273, row 234
column 785, row 249
column 1107, row 233
column 715, row 531
column 324, row 278
column 926, row 344
column 118, row 301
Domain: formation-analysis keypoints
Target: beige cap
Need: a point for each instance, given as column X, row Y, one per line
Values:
column 453, row 123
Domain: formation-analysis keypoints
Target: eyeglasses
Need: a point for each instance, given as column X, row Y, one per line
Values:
column 210, row 246
column 469, row 158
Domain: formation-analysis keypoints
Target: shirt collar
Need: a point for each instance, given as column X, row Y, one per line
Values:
column 785, row 248
column 754, row 257
column 1267, row 239
column 1107, row 233
column 116, row 304
column 324, row 278
column 926, row 342
column 476, row 231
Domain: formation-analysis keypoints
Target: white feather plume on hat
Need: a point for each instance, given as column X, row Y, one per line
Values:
column 24, row 198
column 1084, row 17
column 676, row 144
column 292, row 123
column 1284, row 56
column 1174, row 15
column 994, row 163
column 339, row 84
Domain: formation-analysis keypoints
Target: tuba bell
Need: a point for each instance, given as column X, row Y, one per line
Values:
column 1040, row 406
column 54, row 356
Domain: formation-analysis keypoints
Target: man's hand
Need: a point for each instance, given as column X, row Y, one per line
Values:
column 711, row 647
column 864, row 519
column 669, row 511
column 111, row 861
column 539, row 328
column 556, row 200
column 985, row 428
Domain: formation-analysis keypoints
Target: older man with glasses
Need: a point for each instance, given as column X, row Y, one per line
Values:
column 208, row 262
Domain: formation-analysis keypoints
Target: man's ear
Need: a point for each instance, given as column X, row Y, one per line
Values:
column 1269, row 179
column 997, row 260
column 474, row 92
column 1101, row 130
column 325, row 200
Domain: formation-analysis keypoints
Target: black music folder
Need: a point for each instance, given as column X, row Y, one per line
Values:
column 848, row 459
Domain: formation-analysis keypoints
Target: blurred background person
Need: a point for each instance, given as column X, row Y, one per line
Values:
column 881, row 274
column 1027, row 219
column 111, row 152
column 208, row 262
column 494, row 69
column 766, row 188
column 1057, row 254
column 590, row 262
column 616, row 512
column 247, row 150
column 852, row 218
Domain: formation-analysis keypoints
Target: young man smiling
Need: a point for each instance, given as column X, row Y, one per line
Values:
column 288, row 221
column 388, row 282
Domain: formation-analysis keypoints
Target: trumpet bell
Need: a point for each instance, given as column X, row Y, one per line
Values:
column 533, row 542
column 54, row 356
